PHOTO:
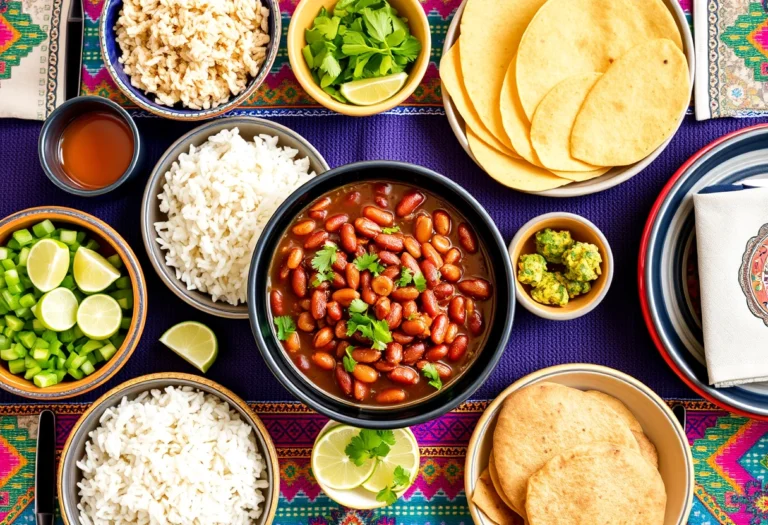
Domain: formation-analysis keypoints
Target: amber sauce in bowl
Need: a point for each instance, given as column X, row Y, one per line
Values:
column 95, row 149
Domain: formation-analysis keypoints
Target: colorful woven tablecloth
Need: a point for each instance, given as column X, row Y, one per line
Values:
column 730, row 456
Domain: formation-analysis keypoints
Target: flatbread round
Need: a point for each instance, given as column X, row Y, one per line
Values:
column 453, row 82
column 490, row 33
column 569, row 37
column 488, row 500
column 540, row 421
column 494, row 475
column 599, row 483
column 634, row 107
column 514, row 173
column 516, row 124
column 553, row 120
column 647, row 449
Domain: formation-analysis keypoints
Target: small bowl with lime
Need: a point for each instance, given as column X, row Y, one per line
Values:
column 365, row 469
column 73, row 303
column 357, row 57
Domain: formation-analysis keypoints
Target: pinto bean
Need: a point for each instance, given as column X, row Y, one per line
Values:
column 366, row 355
column 414, row 327
column 443, row 291
column 302, row 362
column 430, row 272
column 450, row 272
column 343, row 379
column 388, row 257
column 401, row 338
column 382, row 201
column 366, row 227
column 353, row 276
column 292, row 343
column 382, row 307
column 338, row 282
column 302, row 228
column 382, row 285
column 339, row 262
column 410, row 309
column 389, row 242
column 276, row 303
column 409, row 203
column 318, row 215
column 316, row 240
column 429, row 303
column 412, row 246
column 451, row 333
column 438, row 329
column 324, row 360
column 404, row 375
column 410, row 262
column 395, row 317
column 294, row 258
column 442, row 222
column 431, row 254
column 365, row 373
column 436, row 353
column 394, row 353
column 345, row 296
column 383, row 366
column 348, row 238
column 299, row 282
column 444, row 371
column 392, row 272
column 321, row 204
column 457, row 309
column 360, row 391
column 422, row 228
column 380, row 217
column 453, row 256
column 334, row 311
column 413, row 353
column 406, row 293
column 467, row 238
column 340, row 330
column 458, row 348
column 322, row 337
column 305, row 322
column 390, row 396
column 441, row 244
column 335, row 222
column 475, row 323
column 479, row 289
column 352, row 198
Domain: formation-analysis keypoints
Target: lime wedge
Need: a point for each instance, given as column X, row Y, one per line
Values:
column 92, row 272
column 194, row 342
column 57, row 309
column 47, row 264
column 99, row 316
column 404, row 453
column 371, row 91
column 330, row 464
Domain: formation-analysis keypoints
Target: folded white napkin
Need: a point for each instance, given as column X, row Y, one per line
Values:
column 732, row 242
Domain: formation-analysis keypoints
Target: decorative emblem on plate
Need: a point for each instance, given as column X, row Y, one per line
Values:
column 753, row 274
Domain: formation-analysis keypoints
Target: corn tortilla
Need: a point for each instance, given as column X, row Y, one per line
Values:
column 569, row 37
column 487, row 499
column 490, row 34
column 539, row 422
column 511, row 172
column 516, row 124
column 453, row 82
column 553, row 120
column 596, row 483
column 496, row 484
column 647, row 449
column 634, row 107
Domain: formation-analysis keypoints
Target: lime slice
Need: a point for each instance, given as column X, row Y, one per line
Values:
column 92, row 272
column 194, row 342
column 47, row 264
column 330, row 464
column 57, row 309
column 404, row 453
column 99, row 316
column 371, row 91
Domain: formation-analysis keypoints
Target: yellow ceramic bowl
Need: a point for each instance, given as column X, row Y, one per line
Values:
column 659, row 423
column 582, row 230
column 111, row 242
column 302, row 19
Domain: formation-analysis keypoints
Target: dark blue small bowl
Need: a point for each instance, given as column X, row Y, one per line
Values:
column 111, row 53
column 368, row 416
column 53, row 128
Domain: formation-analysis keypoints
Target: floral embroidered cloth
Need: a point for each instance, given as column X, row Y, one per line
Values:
column 33, row 35
column 731, row 40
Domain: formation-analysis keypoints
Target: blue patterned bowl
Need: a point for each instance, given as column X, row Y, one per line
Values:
column 110, row 52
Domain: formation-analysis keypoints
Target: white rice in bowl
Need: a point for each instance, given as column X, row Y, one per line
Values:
column 178, row 456
column 218, row 198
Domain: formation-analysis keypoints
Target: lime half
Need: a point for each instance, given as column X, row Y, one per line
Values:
column 330, row 464
column 194, row 342
column 92, row 272
column 57, row 310
column 47, row 264
column 404, row 453
column 370, row 91
column 99, row 316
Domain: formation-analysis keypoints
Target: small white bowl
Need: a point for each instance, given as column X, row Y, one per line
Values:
column 582, row 230
column 658, row 421
column 359, row 498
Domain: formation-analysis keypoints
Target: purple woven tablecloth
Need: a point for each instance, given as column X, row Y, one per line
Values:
column 612, row 335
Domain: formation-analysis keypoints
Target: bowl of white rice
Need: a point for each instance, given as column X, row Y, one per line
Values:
column 208, row 199
column 169, row 448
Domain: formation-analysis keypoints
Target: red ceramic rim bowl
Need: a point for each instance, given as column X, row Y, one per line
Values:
column 111, row 242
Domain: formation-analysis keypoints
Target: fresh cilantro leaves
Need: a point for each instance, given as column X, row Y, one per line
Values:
column 420, row 282
column 401, row 479
column 393, row 229
column 358, row 306
column 358, row 39
column 322, row 262
column 377, row 331
column 369, row 444
column 431, row 373
column 349, row 361
column 406, row 277
column 369, row 261
column 285, row 327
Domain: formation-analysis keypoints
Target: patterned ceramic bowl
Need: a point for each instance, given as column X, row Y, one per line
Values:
column 111, row 53
column 302, row 19
column 111, row 242
column 658, row 421
column 74, row 448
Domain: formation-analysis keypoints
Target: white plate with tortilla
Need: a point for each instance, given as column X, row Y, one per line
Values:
column 499, row 141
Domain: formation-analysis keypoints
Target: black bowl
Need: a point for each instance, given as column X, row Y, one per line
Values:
column 396, row 416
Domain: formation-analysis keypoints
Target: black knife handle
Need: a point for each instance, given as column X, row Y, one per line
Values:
column 45, row 519
column 45, row 469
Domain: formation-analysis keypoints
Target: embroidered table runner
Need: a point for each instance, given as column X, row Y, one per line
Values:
column 730, row 456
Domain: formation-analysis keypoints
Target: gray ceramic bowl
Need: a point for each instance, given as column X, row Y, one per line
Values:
column 74, row 448
column 150, row 207
column 53, row 128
